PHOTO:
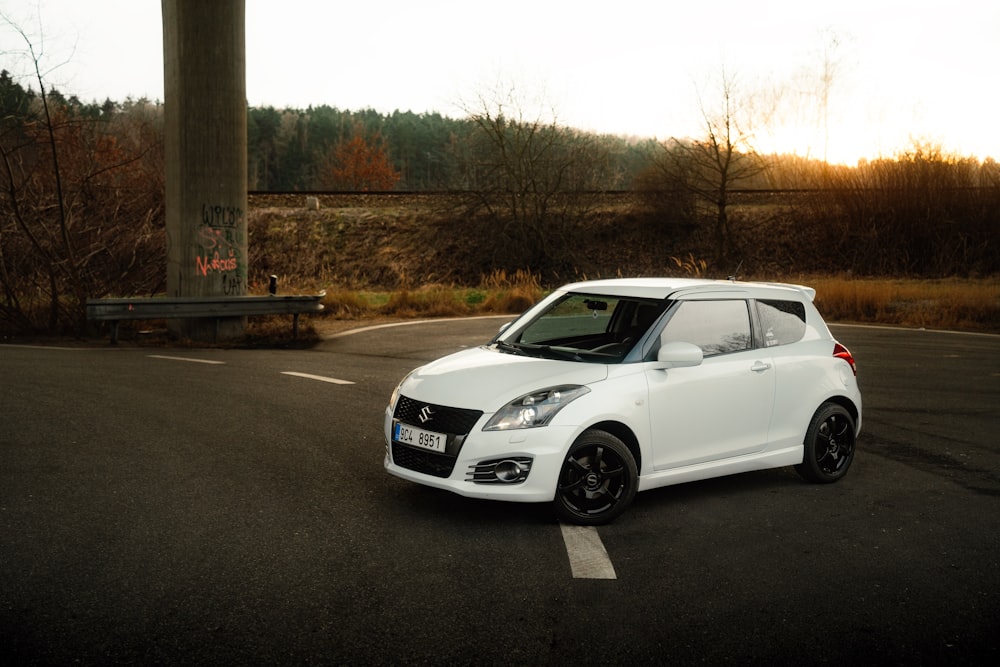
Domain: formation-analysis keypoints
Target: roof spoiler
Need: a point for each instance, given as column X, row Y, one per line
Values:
column 808, row 291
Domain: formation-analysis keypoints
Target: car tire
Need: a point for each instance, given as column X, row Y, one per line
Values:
column 598, row 480
column 828, row 449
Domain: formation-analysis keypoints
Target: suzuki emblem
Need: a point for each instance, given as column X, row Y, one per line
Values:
column 425, row 414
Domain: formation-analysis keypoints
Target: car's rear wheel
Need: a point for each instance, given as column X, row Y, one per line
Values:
column 829, row 445
column 598, row 480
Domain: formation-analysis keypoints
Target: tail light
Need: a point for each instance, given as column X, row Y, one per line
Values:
column 842, row 352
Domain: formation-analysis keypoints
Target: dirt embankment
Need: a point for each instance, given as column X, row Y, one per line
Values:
column 407, row 240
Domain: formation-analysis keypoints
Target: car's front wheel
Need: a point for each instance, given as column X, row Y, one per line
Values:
column 829, row 445
column 598, row 480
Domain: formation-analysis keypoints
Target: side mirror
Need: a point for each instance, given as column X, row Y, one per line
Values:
column 678, row 355
column 503, row 327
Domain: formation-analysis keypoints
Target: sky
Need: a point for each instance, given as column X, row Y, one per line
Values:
column 900, row 71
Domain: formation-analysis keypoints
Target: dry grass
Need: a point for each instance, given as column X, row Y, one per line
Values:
column 510, row 293
column 348, row 304
column 497, row 293
column 426, row 301
column 960, row 304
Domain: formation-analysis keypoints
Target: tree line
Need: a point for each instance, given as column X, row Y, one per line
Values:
column 294, row 149
column 82, row 212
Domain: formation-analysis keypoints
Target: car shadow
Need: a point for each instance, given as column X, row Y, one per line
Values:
column 424, row 501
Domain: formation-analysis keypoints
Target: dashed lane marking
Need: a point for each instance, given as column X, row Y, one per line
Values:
column 588, row 559
column 321, row 378
column 194, row 361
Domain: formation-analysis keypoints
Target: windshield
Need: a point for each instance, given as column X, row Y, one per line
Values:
column 584, row 327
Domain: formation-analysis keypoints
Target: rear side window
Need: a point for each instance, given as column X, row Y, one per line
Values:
column 717, row 327
column 782, row 322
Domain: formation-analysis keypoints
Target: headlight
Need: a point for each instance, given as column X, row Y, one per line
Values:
column 395, row 392
column 535, row 409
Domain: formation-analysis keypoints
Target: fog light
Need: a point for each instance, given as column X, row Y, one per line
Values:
column 508, row 471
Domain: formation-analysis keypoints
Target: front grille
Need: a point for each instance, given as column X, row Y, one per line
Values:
column 456, row 421
column 453, row 422
column 418, row 460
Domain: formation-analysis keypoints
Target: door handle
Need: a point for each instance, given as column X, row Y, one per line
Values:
column 760, row 367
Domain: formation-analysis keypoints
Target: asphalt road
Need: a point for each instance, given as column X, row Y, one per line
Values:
column 158, row 509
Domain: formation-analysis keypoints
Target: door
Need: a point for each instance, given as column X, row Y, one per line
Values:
column 720, row 408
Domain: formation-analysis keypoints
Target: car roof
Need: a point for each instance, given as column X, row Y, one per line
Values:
column 661, row 288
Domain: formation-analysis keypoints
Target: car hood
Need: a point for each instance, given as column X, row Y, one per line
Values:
column 485, row 379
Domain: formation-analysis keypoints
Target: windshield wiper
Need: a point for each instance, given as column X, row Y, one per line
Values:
column 510, row 348
column 557, row 352
column 537, row 350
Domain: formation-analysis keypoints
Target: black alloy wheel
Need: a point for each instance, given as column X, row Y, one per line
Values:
column 598, row 480
column 829, row 445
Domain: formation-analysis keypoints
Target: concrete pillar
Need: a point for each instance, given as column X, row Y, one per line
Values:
column 205, row 134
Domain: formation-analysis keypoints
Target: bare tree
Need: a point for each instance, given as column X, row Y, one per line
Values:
column 725, row 156
column 78, row 215
column 61, row 260
column 807, row 101
column 531, row 177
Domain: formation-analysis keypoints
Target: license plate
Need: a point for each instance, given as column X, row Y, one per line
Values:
column 408, row 435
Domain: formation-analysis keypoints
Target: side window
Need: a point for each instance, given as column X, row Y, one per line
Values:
column 782, row 322
column 717, row 327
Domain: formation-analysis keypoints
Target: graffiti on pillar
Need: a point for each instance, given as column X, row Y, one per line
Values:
column 221, row 246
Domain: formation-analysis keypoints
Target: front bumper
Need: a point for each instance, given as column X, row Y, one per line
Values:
column 545, row 447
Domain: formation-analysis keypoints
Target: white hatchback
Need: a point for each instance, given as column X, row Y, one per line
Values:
column 609, row 387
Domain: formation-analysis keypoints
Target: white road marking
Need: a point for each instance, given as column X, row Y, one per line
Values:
column 316, row 377
column 912, row 330
column 389, row 325
column 194, row 361
column 588, row 558
column 54, row 347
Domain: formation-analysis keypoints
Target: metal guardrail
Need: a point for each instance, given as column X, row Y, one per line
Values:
column 154, row 308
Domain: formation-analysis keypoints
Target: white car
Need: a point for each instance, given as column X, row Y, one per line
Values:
column 609, row 387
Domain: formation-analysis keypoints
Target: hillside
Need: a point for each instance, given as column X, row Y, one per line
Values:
column 390, row 241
